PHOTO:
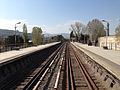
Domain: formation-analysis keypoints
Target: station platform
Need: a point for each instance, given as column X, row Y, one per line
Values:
column 109, row 59
column 6, row 56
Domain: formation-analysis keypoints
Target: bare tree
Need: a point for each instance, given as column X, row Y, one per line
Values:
column 95, row 29
column 77, row 28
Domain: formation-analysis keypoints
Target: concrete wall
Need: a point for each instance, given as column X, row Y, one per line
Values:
column 109, row 41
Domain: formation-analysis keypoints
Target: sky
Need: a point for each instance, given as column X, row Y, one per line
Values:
column 55, row 16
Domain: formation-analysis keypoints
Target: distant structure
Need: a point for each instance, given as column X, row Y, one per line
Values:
column 4, row 33
column 55, row 38
column 109, row 41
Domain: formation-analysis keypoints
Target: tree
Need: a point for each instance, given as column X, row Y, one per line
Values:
column 117, row 32
column 36, row 36
column 84, row 38
column 60, row 38
column 95, row 29
column 72, row 34
column 77, row 28
column 25, row 35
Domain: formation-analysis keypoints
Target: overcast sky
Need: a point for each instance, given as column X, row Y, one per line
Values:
column 55, row 16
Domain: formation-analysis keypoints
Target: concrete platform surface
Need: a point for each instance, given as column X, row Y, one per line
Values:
column 109, row 59
column 5, row 56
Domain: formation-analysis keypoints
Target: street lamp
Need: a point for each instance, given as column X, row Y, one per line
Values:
column 107, row 26
column 15, row 31
column 107, row 32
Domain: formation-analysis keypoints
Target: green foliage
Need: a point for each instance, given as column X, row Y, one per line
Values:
column 25, row 35
column 117, row 32
column 36, row 36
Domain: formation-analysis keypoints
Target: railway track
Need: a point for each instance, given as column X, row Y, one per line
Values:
column 36, row 79
column 51, row 79
column 15, row 71
column 78, row 77
column 65, row 69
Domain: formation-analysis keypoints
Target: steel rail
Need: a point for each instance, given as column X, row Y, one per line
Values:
column 30, row 85
column 70, row 81
column 86, row 75
column 60, row 67
column 59, row 57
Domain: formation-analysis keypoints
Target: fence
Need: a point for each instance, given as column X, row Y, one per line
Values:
column 9, row 47
column 111, row 46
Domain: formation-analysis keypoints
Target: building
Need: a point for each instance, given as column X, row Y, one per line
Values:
column 110, row 41
column 4, row 33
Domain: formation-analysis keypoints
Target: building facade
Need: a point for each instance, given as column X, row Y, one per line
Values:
column 110, row 41
column 4, row 33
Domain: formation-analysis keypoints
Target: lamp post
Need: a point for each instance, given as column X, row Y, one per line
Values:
column 107, row 26
column 107, row 31
column 15, row 31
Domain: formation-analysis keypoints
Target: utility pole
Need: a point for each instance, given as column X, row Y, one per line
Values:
column 15, row 31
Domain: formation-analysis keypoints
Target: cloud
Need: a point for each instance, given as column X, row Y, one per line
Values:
column 9, row 24
column 59, row 28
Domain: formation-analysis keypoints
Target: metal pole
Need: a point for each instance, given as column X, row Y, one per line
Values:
column 107, row 29
column 106, row 37
column 84, row 39
column 15, row 32
column 15, row 35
